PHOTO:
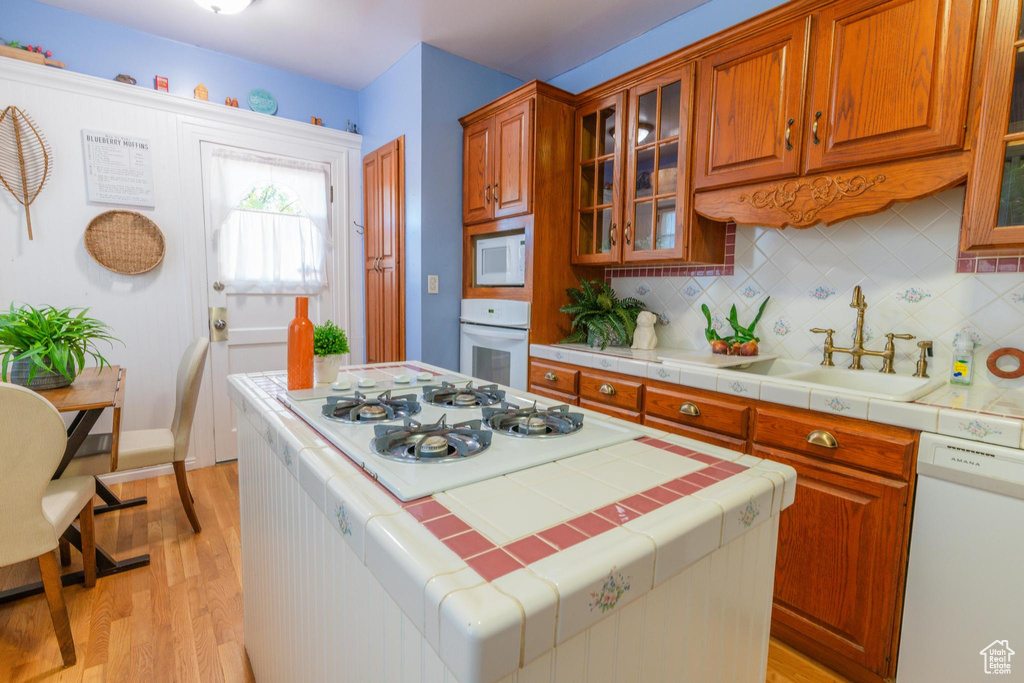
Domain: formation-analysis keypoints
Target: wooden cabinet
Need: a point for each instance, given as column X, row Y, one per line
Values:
column 839, row 572
column 750, row 110
column 477, row 165
column 554, row 377
column 889, row 80
column 695, row 409
column 598, row 187
column 384, row 237
column 994, row 205
column 657, row 188
column 496, row 162
column 617, row 392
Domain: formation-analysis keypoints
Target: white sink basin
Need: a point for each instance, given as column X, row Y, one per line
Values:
column 773, row 367
column 867, row 382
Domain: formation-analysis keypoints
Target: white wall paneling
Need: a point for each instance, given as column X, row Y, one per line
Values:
column 155, row 314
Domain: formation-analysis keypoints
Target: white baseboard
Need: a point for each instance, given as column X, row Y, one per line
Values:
column 144, row 473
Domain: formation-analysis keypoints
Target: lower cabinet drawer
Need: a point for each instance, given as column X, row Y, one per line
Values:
column 617, row 393
column 881, row 448
column 628, row 415
column 554, row 377
column 556, row 395
column 713, row 438
column 693, row 411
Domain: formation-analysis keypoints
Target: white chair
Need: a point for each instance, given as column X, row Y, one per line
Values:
column 36, row 510
column 148, row 447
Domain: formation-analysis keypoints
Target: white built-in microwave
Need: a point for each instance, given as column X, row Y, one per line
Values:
column 500, row 261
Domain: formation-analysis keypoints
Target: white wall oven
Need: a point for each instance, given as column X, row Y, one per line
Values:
column 495, row 340
column 500, row 260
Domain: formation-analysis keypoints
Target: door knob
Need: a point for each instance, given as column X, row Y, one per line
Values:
column 219, row 324
column 218, row 286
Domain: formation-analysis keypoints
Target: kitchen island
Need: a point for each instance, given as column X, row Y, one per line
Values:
column 649, row 559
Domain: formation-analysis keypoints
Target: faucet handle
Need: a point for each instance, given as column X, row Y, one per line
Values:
column 891, row 335
column 821, row 330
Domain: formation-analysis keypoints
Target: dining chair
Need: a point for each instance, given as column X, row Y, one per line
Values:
column 36, row 510
column 148, row 447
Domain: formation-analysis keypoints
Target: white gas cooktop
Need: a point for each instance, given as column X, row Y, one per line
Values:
column 411, row 480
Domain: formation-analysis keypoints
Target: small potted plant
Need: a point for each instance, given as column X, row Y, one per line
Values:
column 329, row 345
column 46, row 348
column 600, row 317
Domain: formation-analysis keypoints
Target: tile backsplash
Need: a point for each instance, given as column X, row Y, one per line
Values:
column 904, row 259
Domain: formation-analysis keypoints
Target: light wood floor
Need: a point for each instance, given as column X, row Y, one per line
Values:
column 180, row 618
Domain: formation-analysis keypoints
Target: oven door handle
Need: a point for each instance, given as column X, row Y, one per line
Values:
column 478, row 331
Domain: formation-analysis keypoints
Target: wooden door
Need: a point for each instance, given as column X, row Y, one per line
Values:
column 889, row 80
column 384, row 237
column 750, row 108
column 840, row 563
column 994, row 205
column 513, row 152
column 477, row 172
column 598, row 183
column 657, row 190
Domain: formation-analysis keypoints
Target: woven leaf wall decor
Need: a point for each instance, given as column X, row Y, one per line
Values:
column 25, row 156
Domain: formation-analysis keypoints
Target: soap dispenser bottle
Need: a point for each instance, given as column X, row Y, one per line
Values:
column 963, row 362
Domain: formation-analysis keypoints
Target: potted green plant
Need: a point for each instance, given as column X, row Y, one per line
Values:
column 329, row 346
column 599, row 316
column 46, row 348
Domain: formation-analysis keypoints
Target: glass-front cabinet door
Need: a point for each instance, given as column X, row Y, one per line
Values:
column 597, row 237
column 994, row 206
column 657, row 179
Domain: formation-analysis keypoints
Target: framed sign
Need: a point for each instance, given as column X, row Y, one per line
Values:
column 118, row 169
column 262, row 101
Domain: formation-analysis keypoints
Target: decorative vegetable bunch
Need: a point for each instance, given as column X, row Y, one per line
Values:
column 54, row 340
column 600, row 315
column 18, row 46
column 743, row 341
column 329, row 340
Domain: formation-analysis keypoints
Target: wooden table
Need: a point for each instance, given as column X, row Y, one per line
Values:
column 91, row 393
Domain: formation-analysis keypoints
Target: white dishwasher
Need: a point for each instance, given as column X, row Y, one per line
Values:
column 964, row 610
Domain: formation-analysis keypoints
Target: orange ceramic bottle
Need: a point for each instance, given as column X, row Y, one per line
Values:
column 300, row 347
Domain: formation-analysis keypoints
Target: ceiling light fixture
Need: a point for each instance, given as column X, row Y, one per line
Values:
column 224, row 6
column 643, row 129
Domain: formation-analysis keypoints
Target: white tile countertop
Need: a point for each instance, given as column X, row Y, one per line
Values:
column 497, row 573
column 986, row 414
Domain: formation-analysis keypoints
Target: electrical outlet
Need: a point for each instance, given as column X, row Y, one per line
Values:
column 433, row 287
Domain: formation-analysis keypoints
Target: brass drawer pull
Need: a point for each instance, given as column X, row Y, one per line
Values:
column 814, row 128
column 789, row 130
column 689, row 409
column 819, row 437
column 607, row 389
column 550, row 376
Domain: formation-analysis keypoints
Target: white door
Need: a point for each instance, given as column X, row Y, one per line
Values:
column 259, row 255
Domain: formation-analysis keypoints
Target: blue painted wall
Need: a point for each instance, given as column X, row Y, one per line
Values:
column 687, row 28
column 103, row 49
column 452, row 87
column 422, row 97
column 391, row 106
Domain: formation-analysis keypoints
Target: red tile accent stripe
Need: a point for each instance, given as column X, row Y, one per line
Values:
column 426, row 511
column 494, row 564
column 694, row 270
column 562, row 536
column 590, row 524
column 530, row 549
column 468, row 544
column 1001, row 261
column 446, row 526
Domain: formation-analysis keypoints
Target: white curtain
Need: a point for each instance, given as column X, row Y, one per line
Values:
column 266, row 250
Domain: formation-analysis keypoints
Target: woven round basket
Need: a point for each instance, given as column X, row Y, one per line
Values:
column 125, row 242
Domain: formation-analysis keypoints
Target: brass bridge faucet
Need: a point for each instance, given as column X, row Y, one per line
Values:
column 857, row 351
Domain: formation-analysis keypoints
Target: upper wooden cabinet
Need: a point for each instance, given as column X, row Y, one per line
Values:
column 889, row 80
column 657, row 185
column 513, row 130
column 994, row 206
column 598, row 188
column 750, row 112
column 477, row 164
column 496, row 162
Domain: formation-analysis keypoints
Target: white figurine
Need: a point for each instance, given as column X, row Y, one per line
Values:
column 644, row 338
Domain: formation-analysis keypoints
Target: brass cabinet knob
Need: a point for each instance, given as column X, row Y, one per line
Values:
column 550, row 376
column 819, row 437
column 218, row 286
column 689, row 409
column 607, row 389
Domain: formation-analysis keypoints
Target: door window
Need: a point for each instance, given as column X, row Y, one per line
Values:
column 492, row 365
column 271, row 222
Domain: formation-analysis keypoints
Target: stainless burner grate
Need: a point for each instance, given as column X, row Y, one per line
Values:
column 432, row 443
column 532, row 422
column 360, row 409
column 450, row 396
